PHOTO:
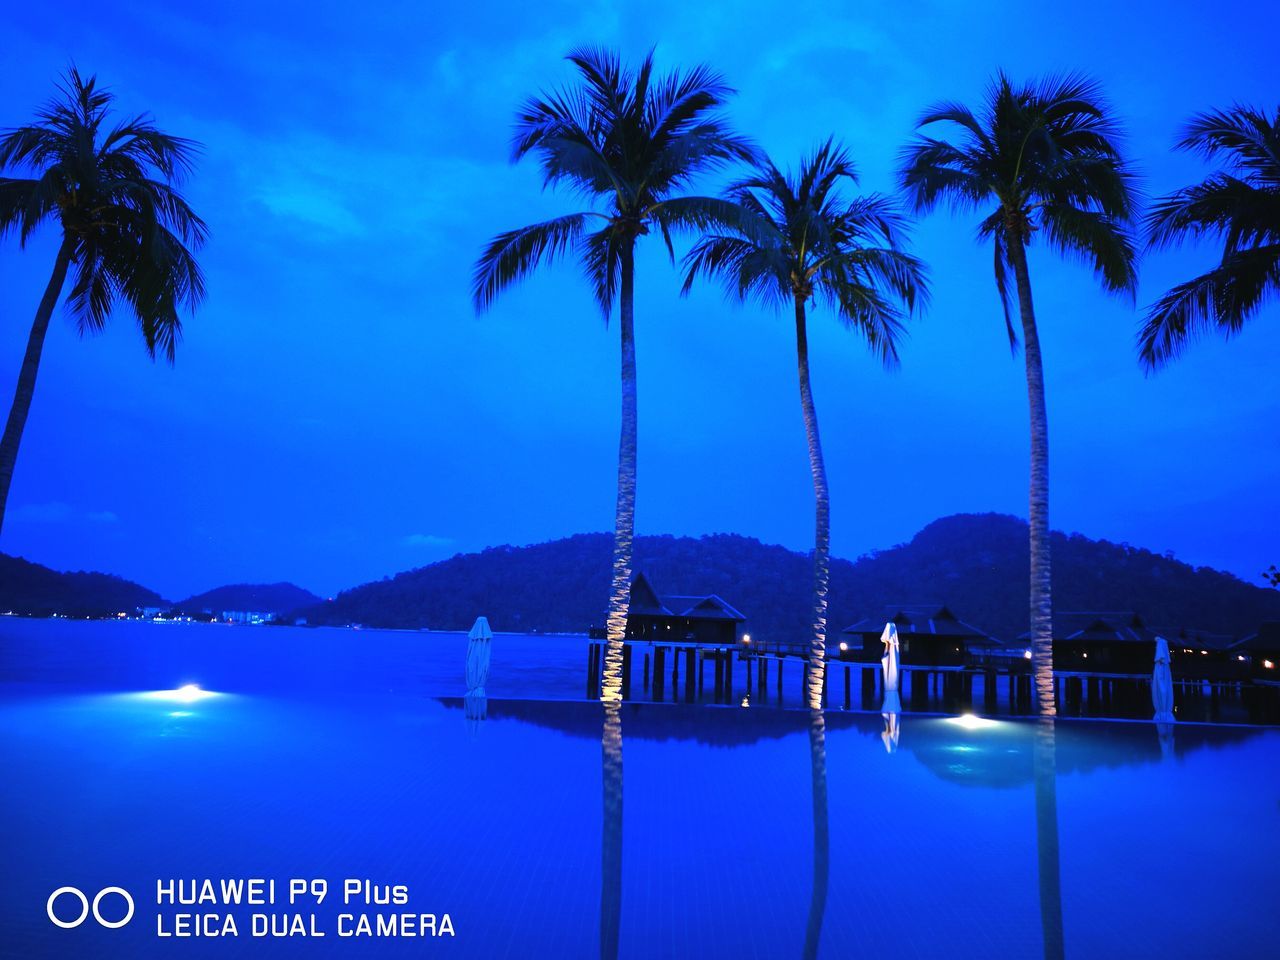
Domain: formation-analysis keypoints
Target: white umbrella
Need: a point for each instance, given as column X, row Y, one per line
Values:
column 1162, row 684
column 889, row 736
column 889, row 664
column 479, row 640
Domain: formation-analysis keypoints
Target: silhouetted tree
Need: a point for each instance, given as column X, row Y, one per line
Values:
column 631, row 142
column 1046, row 156
column 1240, row 206
column 127, row 233
column 799, row 240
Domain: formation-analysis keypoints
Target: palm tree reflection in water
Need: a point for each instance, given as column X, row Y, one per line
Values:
column 611, row 841
column 1045, row 765
column 821, row 836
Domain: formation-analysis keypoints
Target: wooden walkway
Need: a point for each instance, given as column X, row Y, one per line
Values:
column 692, row 673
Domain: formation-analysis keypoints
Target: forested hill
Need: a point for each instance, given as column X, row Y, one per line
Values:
column 28, row 588
column 258, row 597
column 975, row 563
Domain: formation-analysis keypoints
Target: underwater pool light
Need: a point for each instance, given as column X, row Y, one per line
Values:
column 187, row 693
column 971, row 722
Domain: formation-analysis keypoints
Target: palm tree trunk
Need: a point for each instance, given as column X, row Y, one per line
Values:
column 1047, row 859
column 815, row 676
column 611, row 835
column 1038, row 513
column 821, row 833
column 27, row 376
column 625, row 517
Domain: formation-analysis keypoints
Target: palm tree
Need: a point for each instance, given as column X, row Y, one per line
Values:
column 127, row 233
column 1241, row 206
column 1046, row 155
column 630, row 142
column 796, row 239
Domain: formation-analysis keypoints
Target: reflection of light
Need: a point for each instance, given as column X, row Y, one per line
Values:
column 970, row 722
column 181, row 713
column 187, row 693
column 1026, row 654
column 962, row 748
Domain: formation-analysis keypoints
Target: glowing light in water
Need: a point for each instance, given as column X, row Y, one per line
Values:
column 971, row 722
column 187, row 693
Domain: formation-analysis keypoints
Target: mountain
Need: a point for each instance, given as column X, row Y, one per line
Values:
column 975, row 563
column 256, row 597
column 28, row 588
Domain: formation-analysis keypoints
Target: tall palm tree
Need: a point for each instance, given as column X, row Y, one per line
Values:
column 1039, row 158
column 796, row 239
column 127, row 234
column 1240, row 206
column 629, row 143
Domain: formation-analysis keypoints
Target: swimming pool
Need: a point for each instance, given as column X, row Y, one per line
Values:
column 568, row 829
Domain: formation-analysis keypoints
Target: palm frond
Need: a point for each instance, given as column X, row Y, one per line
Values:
column 993, row 227
column 1222, row 299
column 601, row 263
column 1102, row 242
column 514, row 254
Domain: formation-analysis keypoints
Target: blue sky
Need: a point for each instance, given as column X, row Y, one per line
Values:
column 338, row 413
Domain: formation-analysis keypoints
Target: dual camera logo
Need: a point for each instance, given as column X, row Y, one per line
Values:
column 86, row 908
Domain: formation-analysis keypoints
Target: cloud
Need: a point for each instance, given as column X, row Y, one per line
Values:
column 58, row 512
column 314, row 207
column 426, row 540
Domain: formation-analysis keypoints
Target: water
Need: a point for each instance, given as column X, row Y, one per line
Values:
column 564, row 829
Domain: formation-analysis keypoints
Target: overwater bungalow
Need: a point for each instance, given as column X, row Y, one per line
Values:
column 1120, row 642
column 928, row 635
column 1200, row 655
column 703, row 619
column 1262, row 650
column 1090, row 641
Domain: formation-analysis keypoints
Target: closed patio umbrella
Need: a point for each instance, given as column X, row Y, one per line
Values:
column 889, row 736
column 479, row 640
column 889, row 664
column 1162, row 684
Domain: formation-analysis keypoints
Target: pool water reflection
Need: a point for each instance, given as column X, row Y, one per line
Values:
column 574, row 829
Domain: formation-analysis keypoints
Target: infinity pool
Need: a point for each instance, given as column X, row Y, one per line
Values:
column 540, row 828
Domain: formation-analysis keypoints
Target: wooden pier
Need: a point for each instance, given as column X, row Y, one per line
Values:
column 687, row 672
